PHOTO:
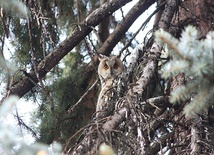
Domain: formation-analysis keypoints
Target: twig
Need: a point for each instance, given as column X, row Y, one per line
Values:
column 100, row 42
column 29, row 77
column 82, row 97
column 121, row 28
column 142, row 27
column 33, row 59
column 122, row 13
column 94, row 48
column 79, row 131
column 22, row 123
column 45, row 65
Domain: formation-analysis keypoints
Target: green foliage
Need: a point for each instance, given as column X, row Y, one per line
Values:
column 65, row 92
column 15, row 6
column 194, row 58
column 47, row 23
column 70, row 13
column 44, row 37
column 72, row 61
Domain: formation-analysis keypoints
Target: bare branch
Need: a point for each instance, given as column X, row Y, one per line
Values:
column 142, row 27
column 82, row 97
column 21, row 123
column 120, row 30
column 33, row 59
column 24, row 85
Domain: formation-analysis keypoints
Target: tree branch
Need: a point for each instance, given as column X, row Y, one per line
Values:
column 121, row 29
column 84, row 28
column 167, row 14
column 196, row 131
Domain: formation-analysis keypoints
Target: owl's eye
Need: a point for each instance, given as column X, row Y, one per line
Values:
column 115, row 66
column 106, row 67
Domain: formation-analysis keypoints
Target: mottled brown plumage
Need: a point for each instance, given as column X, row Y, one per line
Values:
column 108, row 70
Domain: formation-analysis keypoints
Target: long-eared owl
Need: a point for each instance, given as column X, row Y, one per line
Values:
column 108, row 70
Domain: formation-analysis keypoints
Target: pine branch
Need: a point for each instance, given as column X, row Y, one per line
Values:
column 198, row 103
column 166, row 38
column 194, row 59
column 24, row 85
column 124, row 106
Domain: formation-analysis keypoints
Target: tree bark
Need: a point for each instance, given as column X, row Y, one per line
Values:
column 52, row 59
column 122, row 28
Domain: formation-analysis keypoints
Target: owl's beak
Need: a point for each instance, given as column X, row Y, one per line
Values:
column 111, row 72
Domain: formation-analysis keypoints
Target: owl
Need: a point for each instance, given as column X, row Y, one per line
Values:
column 108, row 70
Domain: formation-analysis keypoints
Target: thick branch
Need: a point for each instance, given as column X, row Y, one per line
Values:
column 127, row 103
column 167, row 14
column 51, row 60
column 122, row 28
column 116, row 119
column 196, row 132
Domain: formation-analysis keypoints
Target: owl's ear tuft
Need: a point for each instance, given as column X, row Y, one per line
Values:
column 118, row 56
column 101, row 56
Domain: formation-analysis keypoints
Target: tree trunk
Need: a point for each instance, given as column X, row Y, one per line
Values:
column 154, row 126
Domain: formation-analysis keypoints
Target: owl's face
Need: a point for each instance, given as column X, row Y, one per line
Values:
column 110, row 67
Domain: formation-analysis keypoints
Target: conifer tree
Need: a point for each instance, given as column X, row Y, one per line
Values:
column 163, row 103
column 194, row 58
